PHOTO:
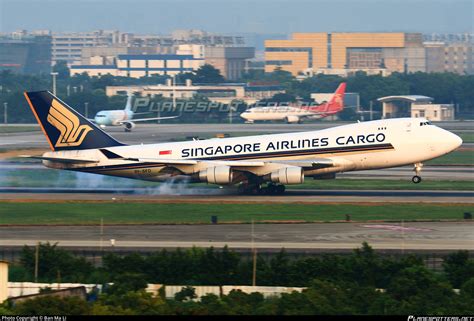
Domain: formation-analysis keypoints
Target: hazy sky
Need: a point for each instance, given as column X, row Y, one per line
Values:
column 228, row 16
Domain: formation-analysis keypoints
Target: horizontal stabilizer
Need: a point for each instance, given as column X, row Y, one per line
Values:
column 145, row 119
column 62, row 159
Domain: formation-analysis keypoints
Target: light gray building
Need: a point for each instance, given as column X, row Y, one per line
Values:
column 453, row 57
column 415, row 106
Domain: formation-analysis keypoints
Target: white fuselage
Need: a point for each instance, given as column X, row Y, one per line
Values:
column 360, row 146
column 277, row 113
column 113, row 117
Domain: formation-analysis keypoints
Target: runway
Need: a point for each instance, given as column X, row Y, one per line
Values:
column 428, row 236
column 212, row 195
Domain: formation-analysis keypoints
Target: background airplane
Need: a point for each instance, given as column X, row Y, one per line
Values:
column 295, row 114
column 251, row 161
column 122, row 117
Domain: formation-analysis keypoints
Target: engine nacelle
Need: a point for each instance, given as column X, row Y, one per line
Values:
column 292, row 119
column 288, row 175
column 129, row 126
column 216, row 175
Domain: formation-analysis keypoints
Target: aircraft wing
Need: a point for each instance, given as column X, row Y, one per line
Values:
column 133, row 120
column 315, row 163
column 308, row 163
column 305, row 163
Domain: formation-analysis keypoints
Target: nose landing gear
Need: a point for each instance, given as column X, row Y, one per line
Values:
column 417, row 179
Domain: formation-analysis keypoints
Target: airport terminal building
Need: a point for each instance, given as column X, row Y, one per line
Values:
column 26, row 54
column 344, row 53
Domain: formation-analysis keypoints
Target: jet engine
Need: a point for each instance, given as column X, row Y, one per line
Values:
column 216, row 175
column 292, row 119
column 288, row 175
column 129, row 126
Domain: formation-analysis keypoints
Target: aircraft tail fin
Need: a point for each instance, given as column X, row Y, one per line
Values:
column 128, row 106
column 336, row 103
column 64, row 128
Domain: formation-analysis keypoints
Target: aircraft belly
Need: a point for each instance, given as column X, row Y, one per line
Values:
column 151, row 172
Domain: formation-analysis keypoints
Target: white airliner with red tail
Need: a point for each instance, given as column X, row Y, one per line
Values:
column 295, row 114
column 257, row 164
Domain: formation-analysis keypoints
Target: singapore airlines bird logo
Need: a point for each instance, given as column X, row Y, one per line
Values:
column 72, row 133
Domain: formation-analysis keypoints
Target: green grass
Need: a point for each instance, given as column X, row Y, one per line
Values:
column 459, row 157
column 134, row 213
column 466, row 137
column 386, row 184
column 18, row 129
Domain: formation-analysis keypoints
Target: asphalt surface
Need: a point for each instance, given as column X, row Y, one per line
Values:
column 204, row 195
column 433, row 236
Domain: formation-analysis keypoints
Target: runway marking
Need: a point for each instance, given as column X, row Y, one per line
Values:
column 397, row 228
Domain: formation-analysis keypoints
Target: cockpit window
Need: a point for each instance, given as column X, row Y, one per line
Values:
column 425, row 123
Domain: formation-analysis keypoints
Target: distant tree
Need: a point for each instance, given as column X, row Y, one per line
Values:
column 131, row 302
column 280, row 98
column 458, row 268
column 53, row 260
column 238, row 302
column 213, row 305
column 62, row 69
column 127, row 282
column 421, row 291
column 465, row 300
column 186, row 293
column 206, row 74
column 52, row 305
column 281, row 76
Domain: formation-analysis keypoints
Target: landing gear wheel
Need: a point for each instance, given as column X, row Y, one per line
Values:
column 251, row 190
column 271, row 189
column 280, row 189
column 417, row 168
column 127, row 130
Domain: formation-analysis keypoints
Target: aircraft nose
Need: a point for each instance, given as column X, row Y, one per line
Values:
column 454, row 141
column 244, row 115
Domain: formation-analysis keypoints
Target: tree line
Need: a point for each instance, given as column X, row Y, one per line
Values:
column 79, row 90
column 363, row 282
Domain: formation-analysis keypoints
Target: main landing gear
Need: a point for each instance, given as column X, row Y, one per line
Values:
column 257, row 189
column 417, row 179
